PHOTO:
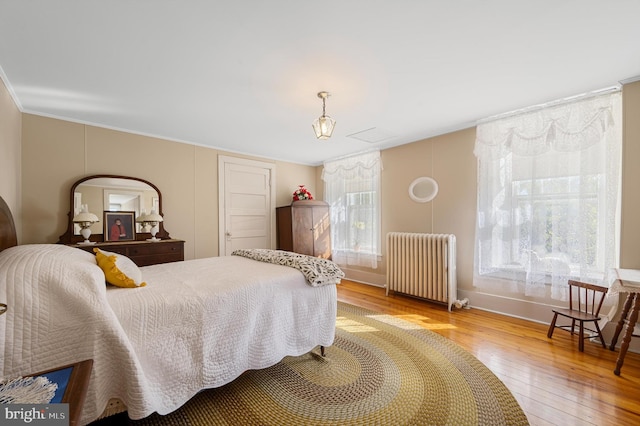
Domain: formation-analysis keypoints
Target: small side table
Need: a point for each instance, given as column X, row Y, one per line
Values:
column 73, row 381
column 628, row 282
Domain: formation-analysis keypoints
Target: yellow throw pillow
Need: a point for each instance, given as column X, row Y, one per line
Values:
column 119, row 270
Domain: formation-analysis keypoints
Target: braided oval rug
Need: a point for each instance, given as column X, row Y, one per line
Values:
column 380, row 371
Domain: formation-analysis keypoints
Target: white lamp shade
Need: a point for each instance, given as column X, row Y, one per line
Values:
column 323, row 126
column 142, row 218
column 84, row 216
column 153, row 217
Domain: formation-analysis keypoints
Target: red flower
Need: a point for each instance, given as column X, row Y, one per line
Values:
column 302, row 194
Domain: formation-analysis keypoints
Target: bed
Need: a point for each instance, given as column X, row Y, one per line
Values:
column 197, row 324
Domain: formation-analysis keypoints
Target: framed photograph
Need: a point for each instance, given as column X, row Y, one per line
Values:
column 119, row 226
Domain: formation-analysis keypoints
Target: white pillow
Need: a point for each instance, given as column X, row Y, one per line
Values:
column 122, row 265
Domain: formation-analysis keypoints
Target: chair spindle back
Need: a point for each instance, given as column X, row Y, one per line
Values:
column 588, row 297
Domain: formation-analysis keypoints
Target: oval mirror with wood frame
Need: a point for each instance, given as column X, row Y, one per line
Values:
column 104, row 195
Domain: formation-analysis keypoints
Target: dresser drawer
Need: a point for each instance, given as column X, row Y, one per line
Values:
column 156, row 248
column 116, row 249
column 159, row 252
column 120, row 249
column 143, row 253
column 155, row 259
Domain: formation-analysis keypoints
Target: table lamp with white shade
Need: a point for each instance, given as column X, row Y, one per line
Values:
column 84, row 219
column 152, row 219
column 144, row 226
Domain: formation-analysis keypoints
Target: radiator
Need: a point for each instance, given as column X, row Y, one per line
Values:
column 422, row 265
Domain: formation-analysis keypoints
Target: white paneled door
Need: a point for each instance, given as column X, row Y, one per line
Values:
column 246, row 197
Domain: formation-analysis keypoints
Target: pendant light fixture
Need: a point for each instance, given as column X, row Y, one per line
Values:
column 323, row 126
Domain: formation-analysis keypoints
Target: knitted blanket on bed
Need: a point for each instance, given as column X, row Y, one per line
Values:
column 317, row 271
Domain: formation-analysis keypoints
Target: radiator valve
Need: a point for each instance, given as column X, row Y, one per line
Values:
column 464, row 303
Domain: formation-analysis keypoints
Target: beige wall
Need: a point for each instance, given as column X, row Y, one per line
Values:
column 56, row 153
column 10, row 179
column 630, row 220
column 294, row 175
column 450, row 161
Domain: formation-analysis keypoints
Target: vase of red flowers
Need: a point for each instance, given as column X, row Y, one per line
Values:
column 302, row 194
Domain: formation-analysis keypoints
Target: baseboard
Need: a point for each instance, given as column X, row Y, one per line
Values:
column 509, row 306
column 364, row 277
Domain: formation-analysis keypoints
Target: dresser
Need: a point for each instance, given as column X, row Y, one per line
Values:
column 304, row 227
column 143, row 253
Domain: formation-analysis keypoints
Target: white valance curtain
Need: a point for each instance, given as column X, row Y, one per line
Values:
column 352, row 188
column 548, row 196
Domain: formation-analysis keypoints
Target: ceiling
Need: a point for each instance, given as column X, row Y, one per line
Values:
column 243, row 76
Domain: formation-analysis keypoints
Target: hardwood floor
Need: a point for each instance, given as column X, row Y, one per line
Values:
column 554, row 383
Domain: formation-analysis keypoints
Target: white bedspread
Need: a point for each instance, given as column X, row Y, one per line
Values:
column 197, row 324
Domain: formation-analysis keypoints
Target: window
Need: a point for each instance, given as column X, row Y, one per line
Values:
column 550, row 206
column 361, row 208
column 352, row 188
column 548, row 197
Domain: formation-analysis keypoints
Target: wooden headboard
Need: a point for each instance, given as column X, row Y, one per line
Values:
column 8, row 236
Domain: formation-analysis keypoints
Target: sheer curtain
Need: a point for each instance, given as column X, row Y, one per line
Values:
column 548, row 196
column 352, row 188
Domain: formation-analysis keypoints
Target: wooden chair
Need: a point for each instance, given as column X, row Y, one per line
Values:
column 585, row 301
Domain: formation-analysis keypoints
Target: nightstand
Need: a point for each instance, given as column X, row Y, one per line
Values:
column 73, row 381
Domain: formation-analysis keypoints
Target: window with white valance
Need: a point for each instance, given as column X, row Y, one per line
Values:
column 548, row 197
column 352, row 189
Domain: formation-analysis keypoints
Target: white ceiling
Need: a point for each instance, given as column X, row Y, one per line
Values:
column 242, row 76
